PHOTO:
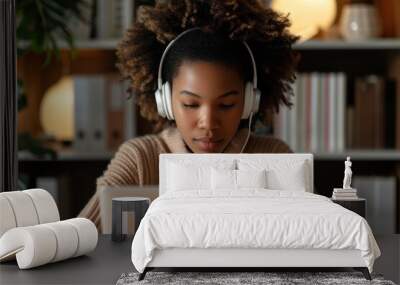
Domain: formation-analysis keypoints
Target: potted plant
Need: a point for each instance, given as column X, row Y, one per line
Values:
column 41, row 26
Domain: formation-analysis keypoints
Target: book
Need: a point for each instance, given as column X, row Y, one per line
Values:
column 293, row 117
column 308, row 117
column 390, row 114
column 369, row 113
column 338, row 194
column 394, row 73
column 314, row 111
column 97, row 108
column 81, row 117
column 340, row 190
column 341, row 105
column 301, row 112
column 344, row 198
column 115, row 112
column 332, row 111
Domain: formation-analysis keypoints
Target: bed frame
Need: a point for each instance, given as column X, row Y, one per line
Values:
column 247, row 259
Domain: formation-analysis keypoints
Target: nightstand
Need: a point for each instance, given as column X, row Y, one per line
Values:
column 357, row 205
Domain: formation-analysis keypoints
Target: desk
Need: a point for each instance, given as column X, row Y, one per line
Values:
column 102, row 266
column 110, row 259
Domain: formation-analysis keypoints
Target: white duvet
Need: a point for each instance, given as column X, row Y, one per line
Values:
column 251, row 218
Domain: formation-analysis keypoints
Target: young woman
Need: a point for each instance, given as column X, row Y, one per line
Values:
column 213, row 65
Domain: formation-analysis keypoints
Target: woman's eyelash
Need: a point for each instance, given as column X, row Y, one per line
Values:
column 222, row 106
column 227, row 106
column 189, row 106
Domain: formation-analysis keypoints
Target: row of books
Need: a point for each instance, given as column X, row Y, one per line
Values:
column 332, row 112
column 316, row 121
column 103, row 115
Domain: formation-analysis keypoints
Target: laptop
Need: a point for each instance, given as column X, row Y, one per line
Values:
column 106, row 193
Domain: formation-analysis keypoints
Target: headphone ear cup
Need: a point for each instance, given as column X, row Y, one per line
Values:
column 159, row 103
column 256, row 100
column 168, row 100
column 248, row 100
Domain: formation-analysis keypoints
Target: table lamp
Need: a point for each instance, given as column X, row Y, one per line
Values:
column 308, row 17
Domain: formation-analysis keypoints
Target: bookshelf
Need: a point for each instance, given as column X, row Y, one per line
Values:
column 380, row 57
column 377, row 56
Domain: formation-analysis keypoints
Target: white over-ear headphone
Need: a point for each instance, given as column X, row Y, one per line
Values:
column 164, row 92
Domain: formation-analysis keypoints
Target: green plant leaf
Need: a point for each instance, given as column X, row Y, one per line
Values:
column 43, row 23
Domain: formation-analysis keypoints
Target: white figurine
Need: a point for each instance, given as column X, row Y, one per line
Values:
column 347, row 174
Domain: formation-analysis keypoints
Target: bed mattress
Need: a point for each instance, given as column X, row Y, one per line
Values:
column 251, row 219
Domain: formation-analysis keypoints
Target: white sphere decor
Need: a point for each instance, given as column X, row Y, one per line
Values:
column 57, row 110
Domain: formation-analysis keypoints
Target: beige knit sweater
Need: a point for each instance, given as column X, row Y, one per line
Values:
column 136, row 161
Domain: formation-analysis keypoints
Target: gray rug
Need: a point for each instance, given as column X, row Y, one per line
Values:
column 226, row 278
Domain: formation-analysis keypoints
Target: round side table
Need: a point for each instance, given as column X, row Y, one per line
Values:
column 138, row 205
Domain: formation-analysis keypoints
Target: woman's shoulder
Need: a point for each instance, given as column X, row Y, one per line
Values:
column 149, row 143
column 268, row 144
column 135, row 162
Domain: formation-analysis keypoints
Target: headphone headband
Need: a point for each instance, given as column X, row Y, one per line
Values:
column 159, row 79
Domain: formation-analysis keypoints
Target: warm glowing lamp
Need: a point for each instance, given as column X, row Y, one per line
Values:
column 57, row 110
column 307, row 16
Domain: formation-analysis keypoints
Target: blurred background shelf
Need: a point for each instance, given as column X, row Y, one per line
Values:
column 68, row 155
column 377, row 44
column 358, row 155
column 373, row 44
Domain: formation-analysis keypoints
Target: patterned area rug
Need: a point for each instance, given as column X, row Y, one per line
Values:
column 225, row 278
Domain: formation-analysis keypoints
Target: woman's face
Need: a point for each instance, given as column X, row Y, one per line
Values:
column 207, row 103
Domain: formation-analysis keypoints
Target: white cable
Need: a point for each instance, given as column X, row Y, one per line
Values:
column 248, row 134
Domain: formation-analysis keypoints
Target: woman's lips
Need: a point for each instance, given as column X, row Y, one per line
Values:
column 208, row 145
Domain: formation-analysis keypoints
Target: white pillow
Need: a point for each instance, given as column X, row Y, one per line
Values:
column 280, row 174
column 291, row 179
column 223, row 179
column 251, row 178
column 184, row 178
column 237, row 179
column 190, row 174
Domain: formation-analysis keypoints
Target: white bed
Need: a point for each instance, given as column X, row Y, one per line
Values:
column 248, row 226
